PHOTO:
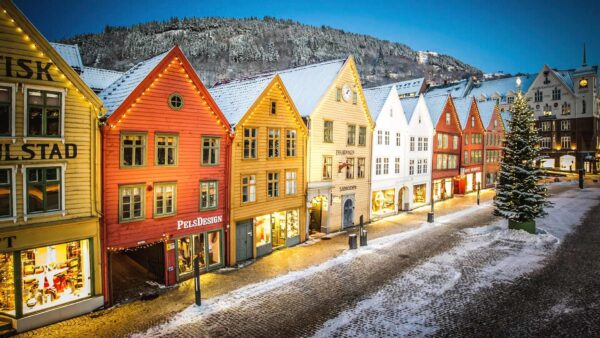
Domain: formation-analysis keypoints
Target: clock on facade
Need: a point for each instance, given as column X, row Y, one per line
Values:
column 347, row 92
column 583, row 83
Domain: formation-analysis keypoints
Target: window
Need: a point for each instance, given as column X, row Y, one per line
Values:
column 386, row 166
column 398, row 140
column 210, row 150
column 354, row 97
column 510, row 99
column 43, row 189
column 131, row 202
column 439, row 140
column 44, row 111
column 6, row 193
column 360, row 170
column 452, row 161
column 378, row 166
column 328, row 132
column 411, row 167
column 425, row 143
column 362, row 136
column 274, row 143
column 419, row 166
column 445, row 141
column 250, row 142
column 290, row 182
column 379, row 137
column 447, row 118
column 412, row 143
column 438, row 161
column 425, row 166
column 538, row 97
column 175, row 101
column 387, row 138
column 248, row 188
column 272, row 184
column 546, row 125
column 556, row 94
column 472, row 121
column 327, row 166
column 565, row 125
column 565, row 142
column 209, row 195
column 475, row 156
column 420, row 148
column 455, row 142
column 495, row 123
column 6, row 111
column 350, row 168
column 351, row 134
column 466, row 137
column 466, row 157
column 133, row 149
column 566, row 109
column 545, row 142
column 338, row 94
column 166, row 149
column 397, row 165
column 290, row 143
column 164, row 199
column 273, row 107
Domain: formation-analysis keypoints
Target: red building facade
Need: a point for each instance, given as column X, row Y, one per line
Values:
column 494, row 140
column 471, row 166
column 166, row 151
column 447, row 141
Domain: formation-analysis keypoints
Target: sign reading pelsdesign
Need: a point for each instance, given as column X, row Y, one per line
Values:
column 37, row 151
column 198, row 221
column 26, row 69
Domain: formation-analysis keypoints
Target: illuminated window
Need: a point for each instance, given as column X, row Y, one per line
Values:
column 44, row 110
column 165, row 199
column 211, row 147
column 272, row 184
column 290, row 143
column 248, row 188
column 132, row 202
column 133, row 149
column 166, row 149
column 6, row 193
column 6, row 111
column 209, row 195
column 274, row 142
column 44, row 191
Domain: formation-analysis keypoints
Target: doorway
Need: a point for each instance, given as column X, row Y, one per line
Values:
column 244, row 244
column 318, row 213
column 402, row 200
column 348, row 211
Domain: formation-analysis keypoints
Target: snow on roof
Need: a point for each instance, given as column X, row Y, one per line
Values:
column 409, row 105
column 435, row 105
column 501, row 86
column 565, row 77
column 463, row 108
column 70, row 53
column 98, row 79
column 376, row 98
column 486, row 111
column 236, row 98
column 409, row 86
column 458, row 89
column 119, row 90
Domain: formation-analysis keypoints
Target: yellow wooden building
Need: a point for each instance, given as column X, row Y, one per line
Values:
column 329, row 96
column 267, row 185
column 49, row 181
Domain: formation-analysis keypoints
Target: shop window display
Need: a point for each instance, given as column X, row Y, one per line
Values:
column 262, row 225
column 293, row 224
column 277, row 227
column 184, row 255
column 214, row 248
column 55, row 275
column 7, row 284
column 383, row 201
column 419, row 193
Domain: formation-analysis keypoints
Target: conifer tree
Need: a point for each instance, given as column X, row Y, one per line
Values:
column 520, row 197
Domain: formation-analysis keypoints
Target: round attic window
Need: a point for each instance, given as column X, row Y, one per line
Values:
column 175, row 101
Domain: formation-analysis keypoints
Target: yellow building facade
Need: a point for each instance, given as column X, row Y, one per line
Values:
column 267, row 185
column 49, row 181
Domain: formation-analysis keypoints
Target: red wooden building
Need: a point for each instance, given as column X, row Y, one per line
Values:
column 166, row 151
column 494, row 139
column 471, row 166
column 447, row 140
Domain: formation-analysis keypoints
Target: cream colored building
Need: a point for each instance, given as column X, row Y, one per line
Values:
column 330, row 98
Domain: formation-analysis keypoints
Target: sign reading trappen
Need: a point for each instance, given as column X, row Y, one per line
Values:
column 198, row 221
column 26, row 69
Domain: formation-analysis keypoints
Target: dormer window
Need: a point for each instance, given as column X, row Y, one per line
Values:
column 447, row 118
column 510, row 99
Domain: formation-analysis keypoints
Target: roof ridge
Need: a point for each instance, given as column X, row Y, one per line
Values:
column 104, row 70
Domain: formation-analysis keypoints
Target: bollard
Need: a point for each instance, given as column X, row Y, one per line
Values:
column 363, row 237
column 430, row 217
column 580, row 178
column 478, row 190
column 197, row 281
column 352, row 242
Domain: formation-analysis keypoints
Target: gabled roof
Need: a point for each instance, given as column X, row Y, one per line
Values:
column 565, row 77
column 501, row 86
column 235, row 98
column 486, row 111
column 21, row 21
column 409, row 105
column 98, row 79
column 70, row 53
column 409, row 86
column 120, row 89
column 376, row 98
column 435, row 105
column 463, row 108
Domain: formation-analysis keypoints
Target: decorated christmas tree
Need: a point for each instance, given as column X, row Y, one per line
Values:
column 520, row 197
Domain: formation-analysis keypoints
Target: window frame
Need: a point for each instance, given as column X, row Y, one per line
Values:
column 351, row 135
column 275, row 141
column 253, row 140
column 170, row 103
column 144, row 149
column 327, row 165
column 13, row 193
column 142, row 187
column 291, row 141
column 63, row 95
column 294, row 181
column 208, row 208
column 327, row 131
column 275, row 183
column 217, row 153
column 248, row 185
column 61, row 209
column 361, row 165
column 350, row 168
column 176, row 148
column 364, row 136
column 155, row 214
column 13, row 109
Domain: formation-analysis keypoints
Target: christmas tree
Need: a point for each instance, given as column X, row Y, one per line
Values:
column 520, row 197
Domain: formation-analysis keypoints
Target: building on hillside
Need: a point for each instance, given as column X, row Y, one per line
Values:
column 447, row 145
column 49, row 181
column 388, row 162
column 494, row 140
column 471, row 165
column 268, row 180
column 329, row 96
column 566, row 108
column 417, row 191
column 166, row 176
column 410, row 88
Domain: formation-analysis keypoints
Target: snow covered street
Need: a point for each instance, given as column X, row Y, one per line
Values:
column 412, row 283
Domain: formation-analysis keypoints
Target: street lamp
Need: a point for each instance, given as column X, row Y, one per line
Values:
column 518, row 83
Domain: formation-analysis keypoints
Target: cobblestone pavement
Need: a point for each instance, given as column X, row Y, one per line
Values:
column 313, row 300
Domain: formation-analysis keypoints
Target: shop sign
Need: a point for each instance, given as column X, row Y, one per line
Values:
column 472, row 170
column 8, row 240
column 348, row 187
column 198, row 221
column 38, row 151
column 26, row 69
column 344, row 152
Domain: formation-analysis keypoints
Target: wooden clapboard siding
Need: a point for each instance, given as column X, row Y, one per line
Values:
column 468, row 130
column 152, row 115
column 259, row 116
column 341, row 113
column 452, row 129
column 498, row 131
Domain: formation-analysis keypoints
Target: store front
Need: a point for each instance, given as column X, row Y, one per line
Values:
column 319, row 207
column 420, row 193
column 442, row 189
column 383, row 202
column 208, row 246
column 276, row 230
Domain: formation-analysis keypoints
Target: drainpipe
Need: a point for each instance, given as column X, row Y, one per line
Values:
column 229, row 156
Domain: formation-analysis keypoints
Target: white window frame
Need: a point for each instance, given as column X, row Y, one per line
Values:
column 13, row 193
column 13, row 111
column 63, row 194
column 63, row 98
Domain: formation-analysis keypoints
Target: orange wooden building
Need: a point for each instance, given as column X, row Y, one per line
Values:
column 471, row 166
column 166, row 156
column 494, row 140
